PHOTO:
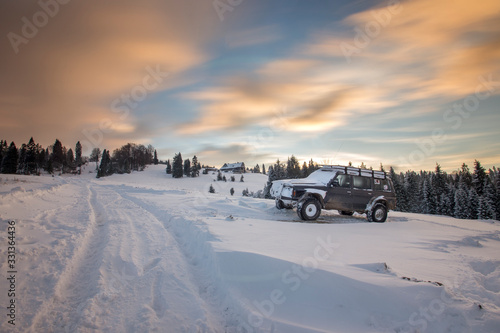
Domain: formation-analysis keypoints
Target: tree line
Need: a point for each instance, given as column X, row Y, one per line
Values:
column 179, row 168
column 128, row 158
column 32, row 158
column 465, row 195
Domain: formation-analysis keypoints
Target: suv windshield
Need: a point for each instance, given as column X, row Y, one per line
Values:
column 321, row 176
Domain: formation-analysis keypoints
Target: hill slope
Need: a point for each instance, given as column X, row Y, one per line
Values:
column 146, row 252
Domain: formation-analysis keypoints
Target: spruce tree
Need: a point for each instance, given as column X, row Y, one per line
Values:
column 21, row 165
column 187, row 168
column 195, row 167
column 70, row 159
column 461, row 202
column 465, row 176
column 106, row 167
column 256, row 169
column 270, row 178
column 31, row 166
column 155, row 158
column 293, row 168
column 487, row 204
column 497, row 197
column 478, row 177
column 168, row 169
column 58, row 157
column 78, row 155
column 473, row 204
column 231, row 191
column 10, row 159
column 263, row 169
column 177, row 167
column 211, row 189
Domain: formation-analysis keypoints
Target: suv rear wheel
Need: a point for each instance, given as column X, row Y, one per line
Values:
column 309, row 210
column 377, row 214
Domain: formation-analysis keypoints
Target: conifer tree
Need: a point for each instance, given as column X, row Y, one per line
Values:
column 106, row 167
column 305, row 171
column 78, row 156
column 465, row 176
column 487, row 208
column 177, row 167
column 461, row 202
column 293, row 168
column 21, row 165
column 58, row 157
column 263, row 169
column 256, row 169
column 473, row 204
column 270, row 178
column 478, row 177
column 211, row 189
column 195, row 167
column 169, row 168
column 187, row 168
column 70, row 159
column 10, row 159
column 497, row 197
column 231, row 191
column 31, row 166
column 155, row 158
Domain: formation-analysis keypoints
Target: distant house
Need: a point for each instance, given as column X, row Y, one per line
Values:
column 238, row 167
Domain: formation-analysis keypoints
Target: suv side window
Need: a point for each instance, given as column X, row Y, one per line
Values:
column 382, row 185
column 363, row 183
column 344, row 180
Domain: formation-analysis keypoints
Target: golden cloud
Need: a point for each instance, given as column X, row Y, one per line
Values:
column 92, row 53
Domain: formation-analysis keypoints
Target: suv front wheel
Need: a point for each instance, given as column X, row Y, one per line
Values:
column 377, row 214
column 309, row 210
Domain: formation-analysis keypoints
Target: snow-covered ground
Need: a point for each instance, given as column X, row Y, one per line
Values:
column 148, row 253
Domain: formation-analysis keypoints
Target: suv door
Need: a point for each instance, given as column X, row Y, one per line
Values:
column 339, row 192
column 362, row 192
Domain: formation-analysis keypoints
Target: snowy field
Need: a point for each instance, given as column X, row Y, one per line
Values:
column 148, row 253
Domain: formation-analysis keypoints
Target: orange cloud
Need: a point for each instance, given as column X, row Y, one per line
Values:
column 91, row 53
column 446, row 45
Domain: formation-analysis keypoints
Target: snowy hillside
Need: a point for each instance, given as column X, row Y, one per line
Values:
column 148, row 253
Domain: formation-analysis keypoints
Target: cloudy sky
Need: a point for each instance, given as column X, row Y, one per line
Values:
column 403, row 83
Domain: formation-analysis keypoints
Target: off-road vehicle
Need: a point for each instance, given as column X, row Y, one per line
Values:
column 346, row 189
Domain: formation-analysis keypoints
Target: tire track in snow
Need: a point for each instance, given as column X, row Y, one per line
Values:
column 78, row 283
column 177, row 273
column 193, row 242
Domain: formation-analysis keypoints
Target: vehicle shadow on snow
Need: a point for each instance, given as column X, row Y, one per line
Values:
column 326, row 217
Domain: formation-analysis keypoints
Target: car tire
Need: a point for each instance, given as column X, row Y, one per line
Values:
column 346, row 212
column 309, row 210
column 377, row 214
column 279, row 204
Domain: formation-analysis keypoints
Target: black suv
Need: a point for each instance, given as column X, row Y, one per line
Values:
column 346, row 189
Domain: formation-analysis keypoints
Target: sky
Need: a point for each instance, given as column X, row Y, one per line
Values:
column 404, row 83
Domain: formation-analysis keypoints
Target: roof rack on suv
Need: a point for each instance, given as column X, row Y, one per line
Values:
column 356, row 171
